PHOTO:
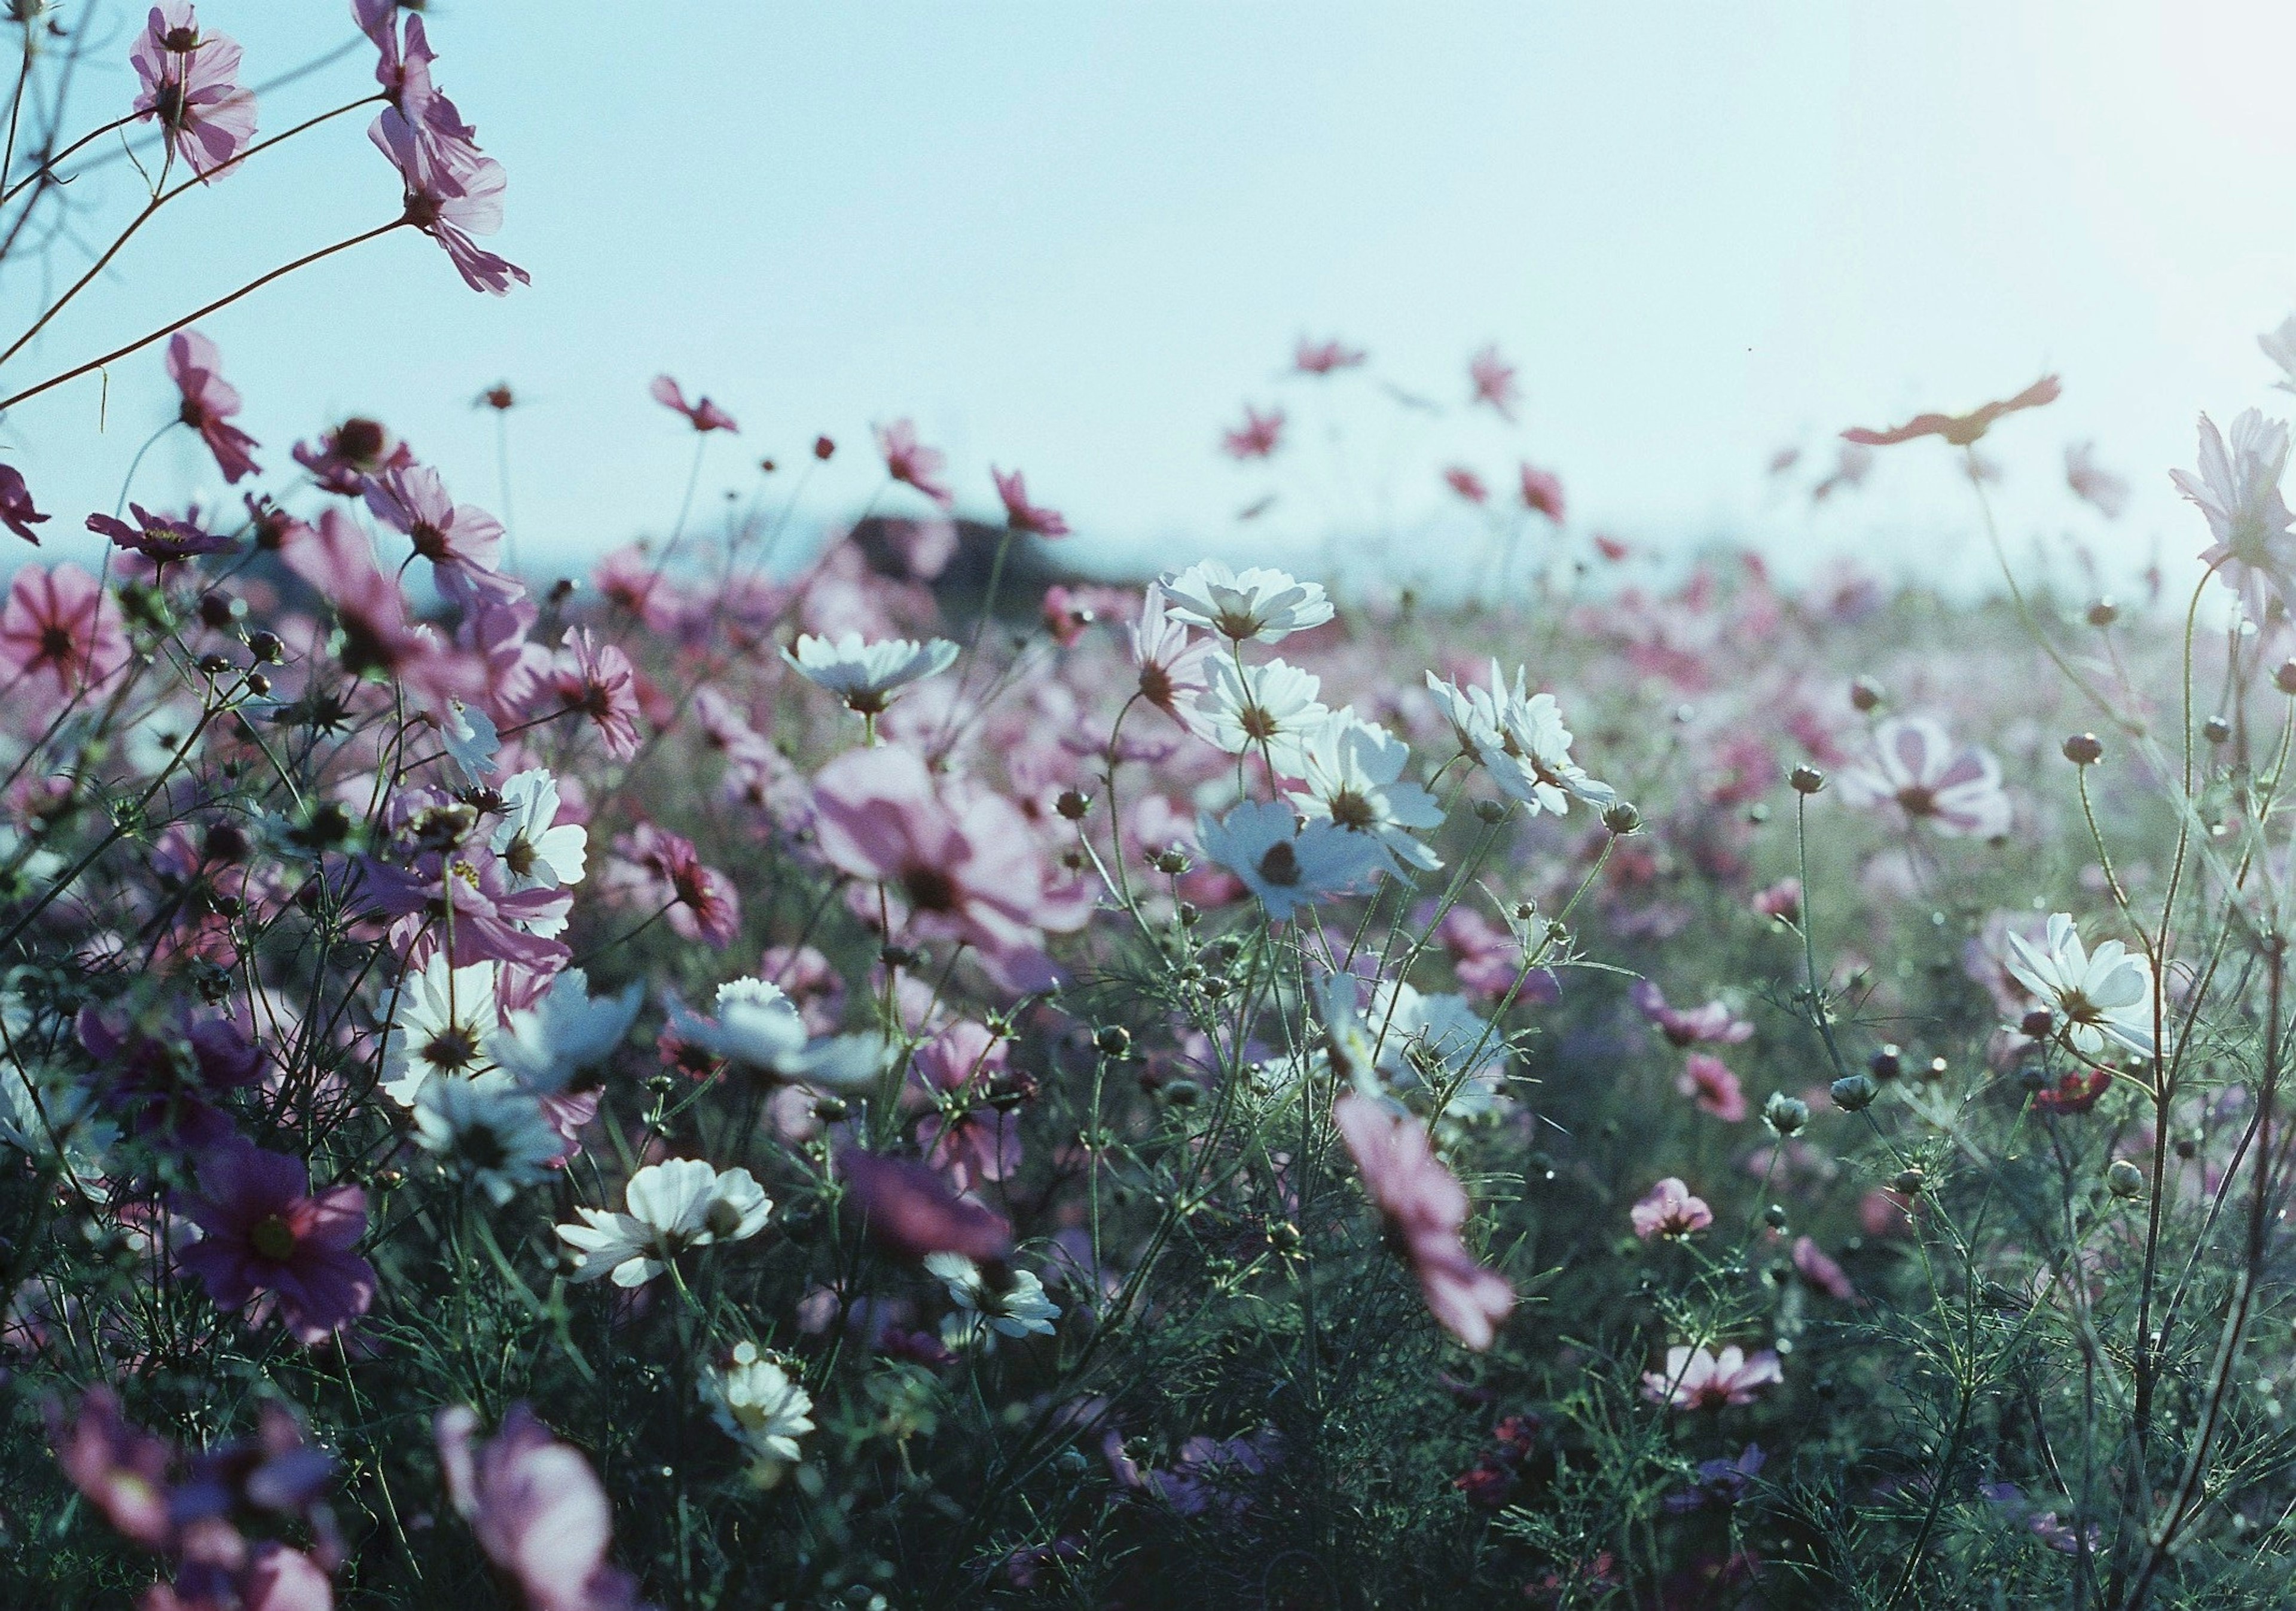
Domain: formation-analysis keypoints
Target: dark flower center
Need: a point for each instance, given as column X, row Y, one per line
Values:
column 520, row 857
column 272, row 1238
column 55, row 643
column 450, row 1047
column 1257, row 723
column 360, row 441
column 1352, row 810
column 429, row 541
column 1281, row 865
column 1917, row 801
column 929, row 890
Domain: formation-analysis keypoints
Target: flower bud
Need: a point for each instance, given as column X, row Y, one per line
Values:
column 1806, row 778
column 1909, row 1181
column 258, row 684
column 2083, row 750
column 1073, row 804
column 1182, row 1093
column 1854, row 1093
column 1886, row 1063
column 822, row 447
column 1622, row 819
column 266, row 646
column 1491, row 812
column 1785, row 1113
column 1864, row 693
column 2103, row 613
column 1774, row 1216
column 2285, row 679
column 1111, row 1039
column 2036, row 1024
column 2216, row 729
column 1936, row 1068
column 2124, row 1178
column 1187, row 913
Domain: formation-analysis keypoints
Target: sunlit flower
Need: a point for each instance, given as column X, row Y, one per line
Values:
column 758, row 1404
column 1701, row 1379
column 1491, row 382
column 1171, row 660
column 1286, row 864
column 191, row 89
column 1519, row 738
column 566, row 1030
column 446, row 1015
column 668, row 1208
column 2098, row 999
column 1916, row 767
column 1258, row 604
column 451, row 198
column 533, row 845
column 1353, row 773
column 209, row 402
column 1669, row 1209
column 701, row 413
column 1423, row 1206
column 867, row 675
column 910, row 462
column 1256, row 438
column 1269, row 710
column 2238, row 490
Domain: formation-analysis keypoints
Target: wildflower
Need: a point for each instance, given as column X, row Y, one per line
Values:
column 1007, row 1299
column 1701, row 1379
column 701, row 413
column 1424, row 1207
column 973, row 1137
column 669, row 1207
column 1353, row 774
column 1718, row 1484
column 1491, row 381
column 191, row 89
column 1467, row 484
column 1268, row 709
column 2098, row 999
column 1257, row 437
column 1257, row 605
column 1812, row 1265
column 1289, row 865
column 2238, row 491
column 208, row 402
column 16, row 512
column 867, row 675
column 597, row 682
column 1171, row 660
column 157, row 537
column 1542, row 492
column 1959, row 430
column 487, row 1130
column 653, row 866
column 446, row 1015
column 2280, row 347
column 758, row 1025
column 565, row 1031
column 1519, row 738
column 60, row 623
column 450, row 201
column 460, row 540
column 1668, row 1209
column 345, row 456
column 908, row 461
column 912, row 1212
column 269, row 1245
column 534, row 846
column 1021, row 515
column 1707, row 1081
column 2093, row 484
column 378, row 639
column 1326, row 357
column 537, row 1508
column 753, row 1399
column 120, row 1469
column 1915, row 767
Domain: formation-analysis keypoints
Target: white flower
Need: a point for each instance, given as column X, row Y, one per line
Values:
column 534, row 846
column 1013, row 1305
column 1429, row 1041
column 1349, row 1044
column 471, row 740
column 1273, row 705
column 2280, row 347
column 1519, row 738
column 2239, row 493
column 865, row 675
column 53, row 1117
column 1285, row 864
column 1352, row 771
column 568, row 1030
column 757, row 1026
column 684, row 1203
column 446, row 1015
column 487, row 1130
column 2098, row 998
column 756, row 1402
column 1916, row 766
column 1267, row 605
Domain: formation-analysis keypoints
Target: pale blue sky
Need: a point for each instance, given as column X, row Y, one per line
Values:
column 1077, row 239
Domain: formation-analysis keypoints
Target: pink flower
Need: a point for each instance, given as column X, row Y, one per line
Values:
column 196, row 368
column 2094, row 484
column 538, row 1510
column 911, row 1211
column 701, row 413
column 908, row 461
column 1326, row 357
column 1467, row 484
column 1021, row 514
column 460, row 540
column 16, row 511
column 157, row 537
column 190, row 88
column 1699, row 1379
column 451, row 198
column 404, row 74
column 270, row 1245
column 62, row 624
column 121, row 1469
column 660, row 870
column 1542, row 492
column 1781, row 902
column 378, row 638
column 1960, row 430
column 345, row 456
column 973, row 1139
column 597, row 681
column 1493, row 382
column 1820, row 1271
column 1916, row 767
column 1423, row 1206
column 1712, row 1022
column 2237, row 490
column 1668, row 1209
column 1257, row 437
column 1707, row 1081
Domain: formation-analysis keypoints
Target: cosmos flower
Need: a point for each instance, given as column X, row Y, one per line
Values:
column 343, row 458
column 1669, row 1209
column 1257, row 605
column 912, row 1212
column 1959, row 430
column 753, row 1399
column 1267, row 709
column 1257, row 437
column 1812, row 1265
column 565, row 1031
column 1701, row 1379
column 2093, row 484
column 1491, row 382
column 1353, row 776
column 208, row 402
column 1005, row 1298
column 190, row 88
column 461, row 541
column 1713, row 1022
column 1171, row 660
column 1915, row 767
column 1519, row 738
column 597, row 682
column 159, row 538
column 1542, row 492
column 450, row 200
column 270, row 1245
column 60, row 624
column 668, row 1208
column 446, row 1017
column 2237, row 489
column 1467, row 484
column 1289, row 865
column 1424, row 1207
column 1326, row 357
column 867, row 675
column 16, row 512
column 909, row 461
column 2098, row 999
column 701, row 413
column 660, row 871
column 1021, row 515
column 534, row 847
column 488, row 1131
column 1707, row 1081
column 537, row 1509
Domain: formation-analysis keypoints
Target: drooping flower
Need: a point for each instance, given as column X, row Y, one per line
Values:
column 450, row 200
column 1003, row 1297
column 1542, row 492
column 1916, row 767
column 2098, row 999
column 758, row 1406
column 1959, row 430
column 668, row 1208
column 208, row 402
column 701, row 413
column 867, row 675
column 1286, row 864
column 1021, row 515
column 461, row 541
column 1269, row 710
column 597, row 682
column 537, row 1508
column 16, row 512
column 1701, row 1379
column 488, row 1131
column 60, row 625
column 2238, row 490
column 1353, row 776
column 1255, row 605
column 1424, row 1207
column 1257, row 437
column 1326, row 357
column 655, row 868
column 191, row 89
column 908, row 461
column 1707, row 1080
column 270, row 1245
column 1669, row 1209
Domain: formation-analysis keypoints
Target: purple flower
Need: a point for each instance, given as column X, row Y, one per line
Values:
column 196, row 367
column 460, row 540
column 1718, row 1483
column 451, row 199
column 403, row 71
column 701, row 413
column 163, row 1079
column 16, row 511
column 191, row 87
column 345, row 456
column 271, row 1246
column 911, row 1211
column 910, row 461
column 1712, row 1022
column 121, row 1469
column 538, row 1510
column 159, row 538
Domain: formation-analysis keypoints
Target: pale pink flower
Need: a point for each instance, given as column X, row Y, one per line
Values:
column 1960, row 430
column 538, row 1510
column 1916, row 767
column 1467, row 484
column 60, row 625
column 701, row 413
column 1021, row 514
column 597, row 681
column 208, row 402
column 970, row 1139
column 1712, row 1022
column 1257, row 437
column 1700, row 1379
column 1424, row 1207
column 2093, row 483
column 1707, row 1081
column 1326, row 357
column 908, row 461
column 2238, row 491
column 1669, row 1209
column 451, row 196
column 191, row 89
column 1542, row 492
column 1820, row 1271
column 1492, row 379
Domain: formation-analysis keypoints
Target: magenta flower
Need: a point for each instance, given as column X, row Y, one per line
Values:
column 1820, row 1271
column 654, row 868
column 451, row 200
column 1916, row 767
column 1257, row 437
column 971, row 1138
column 1542, row 492
column 1960, row 430
column 1491, row 379
column 701, row 413
column 911, row 1211
column 1423, row 1206
column 271, row 1246
column 1669, row 1209
column 1712, row 1022
column 190, row 88
column 908, row 461
column 538, row 1511
column 460, row 540
column 1467, row 484
column 1707, row 1081
column 119, row 1468
column 159, row 538
column 1021, row 514
column 597, row 681
column 345, row 456
column 1700, row 1379
column 378, row 639
column 60, row 623
column 16, row 511
column 1326, row 357
column 196, row 367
